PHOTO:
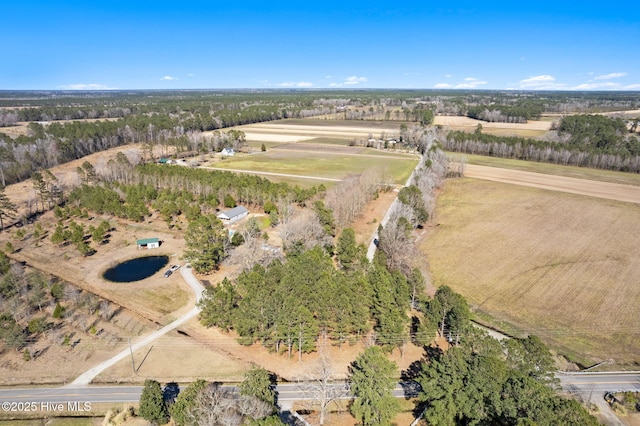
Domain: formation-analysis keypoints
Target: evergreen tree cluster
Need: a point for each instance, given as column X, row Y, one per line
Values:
column 483, row 382
column 520, row 112
column 287, row 306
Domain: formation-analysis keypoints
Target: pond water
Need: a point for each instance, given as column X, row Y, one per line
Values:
column 136, row 269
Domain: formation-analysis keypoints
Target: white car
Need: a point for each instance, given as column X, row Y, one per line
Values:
column 174, row 268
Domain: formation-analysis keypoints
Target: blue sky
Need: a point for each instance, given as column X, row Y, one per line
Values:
column 191, row 44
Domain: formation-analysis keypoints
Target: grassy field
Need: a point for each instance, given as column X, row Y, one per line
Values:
column 561, row 266
column 328, row 141
column 328, row 165
column 551, row 169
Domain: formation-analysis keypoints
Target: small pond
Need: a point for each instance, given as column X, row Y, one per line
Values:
column 136, row 269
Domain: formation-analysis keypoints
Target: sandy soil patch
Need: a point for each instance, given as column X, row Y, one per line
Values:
column 179, row 357
column 272, row 137
column 301, row 130
column 55, row 363
column 155, row 298
column 447, row 120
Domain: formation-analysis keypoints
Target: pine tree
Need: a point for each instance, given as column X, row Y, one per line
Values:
column 7, row 208
column 152, row 406
column 257, row 382
column 373, row 378
column 186, row 401
column 205, row 239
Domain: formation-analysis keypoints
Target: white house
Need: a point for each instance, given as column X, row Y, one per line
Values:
column 228, row 152
column 233, row 215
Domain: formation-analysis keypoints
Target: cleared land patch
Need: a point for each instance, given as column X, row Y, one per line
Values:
column 551, row 169
column 330, row 164
column 612, row 191
column 561, row 266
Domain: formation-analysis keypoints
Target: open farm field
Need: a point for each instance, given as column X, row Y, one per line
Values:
column 561, row 266
column 297, row 130
column 551, row 169
column 318, row 161
column 531, row 129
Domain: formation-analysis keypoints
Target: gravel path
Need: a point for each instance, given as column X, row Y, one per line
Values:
column 85, row 378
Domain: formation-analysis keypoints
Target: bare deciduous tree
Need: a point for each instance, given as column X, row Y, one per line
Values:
column 286, row 210
column 321, row 388
column 307, row 231
column 218, row 406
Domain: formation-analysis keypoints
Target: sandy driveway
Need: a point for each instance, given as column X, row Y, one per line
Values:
column 612, row 191
column 187, row 274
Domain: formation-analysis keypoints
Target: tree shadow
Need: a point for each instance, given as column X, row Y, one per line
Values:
column 170, row 393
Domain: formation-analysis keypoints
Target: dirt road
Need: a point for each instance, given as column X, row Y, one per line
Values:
column 612, row 191
column 85, row 378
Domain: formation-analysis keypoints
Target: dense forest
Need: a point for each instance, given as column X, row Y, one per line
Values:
column 176, row 120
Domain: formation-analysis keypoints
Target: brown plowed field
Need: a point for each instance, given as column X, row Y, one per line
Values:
column 565, row 267
column 612, row 191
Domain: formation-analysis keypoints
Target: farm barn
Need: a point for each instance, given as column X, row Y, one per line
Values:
column 148, row 243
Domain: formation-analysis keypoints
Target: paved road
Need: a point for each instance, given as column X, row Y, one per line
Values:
column 186, row 272
column 287, row 392
column 591, row 387
column 585, row 383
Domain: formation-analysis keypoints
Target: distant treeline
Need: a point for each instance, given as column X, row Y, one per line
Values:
column 520, row 113
column 584, row 140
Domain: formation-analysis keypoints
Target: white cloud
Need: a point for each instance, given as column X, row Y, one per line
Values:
column 327, row 76
column 448, row 75
column 169, row 78
column 470, row 83
column 632, row 87
column 536, row 80
column 354, row 80
column 82, row 86
column 541, row 82
column 349, row 81
column 296, row 84
column 610, row 76
column 591, row 85
column 191, row 75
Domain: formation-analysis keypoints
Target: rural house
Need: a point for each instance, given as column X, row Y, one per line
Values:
column 228, row 152
column 148, row 243
column 233, row 215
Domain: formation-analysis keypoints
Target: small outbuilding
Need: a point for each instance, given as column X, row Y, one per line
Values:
column 228, row 152
column 233, row 215
column 148, row 243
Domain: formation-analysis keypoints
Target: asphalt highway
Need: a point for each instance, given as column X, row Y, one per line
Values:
column 576, row 383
